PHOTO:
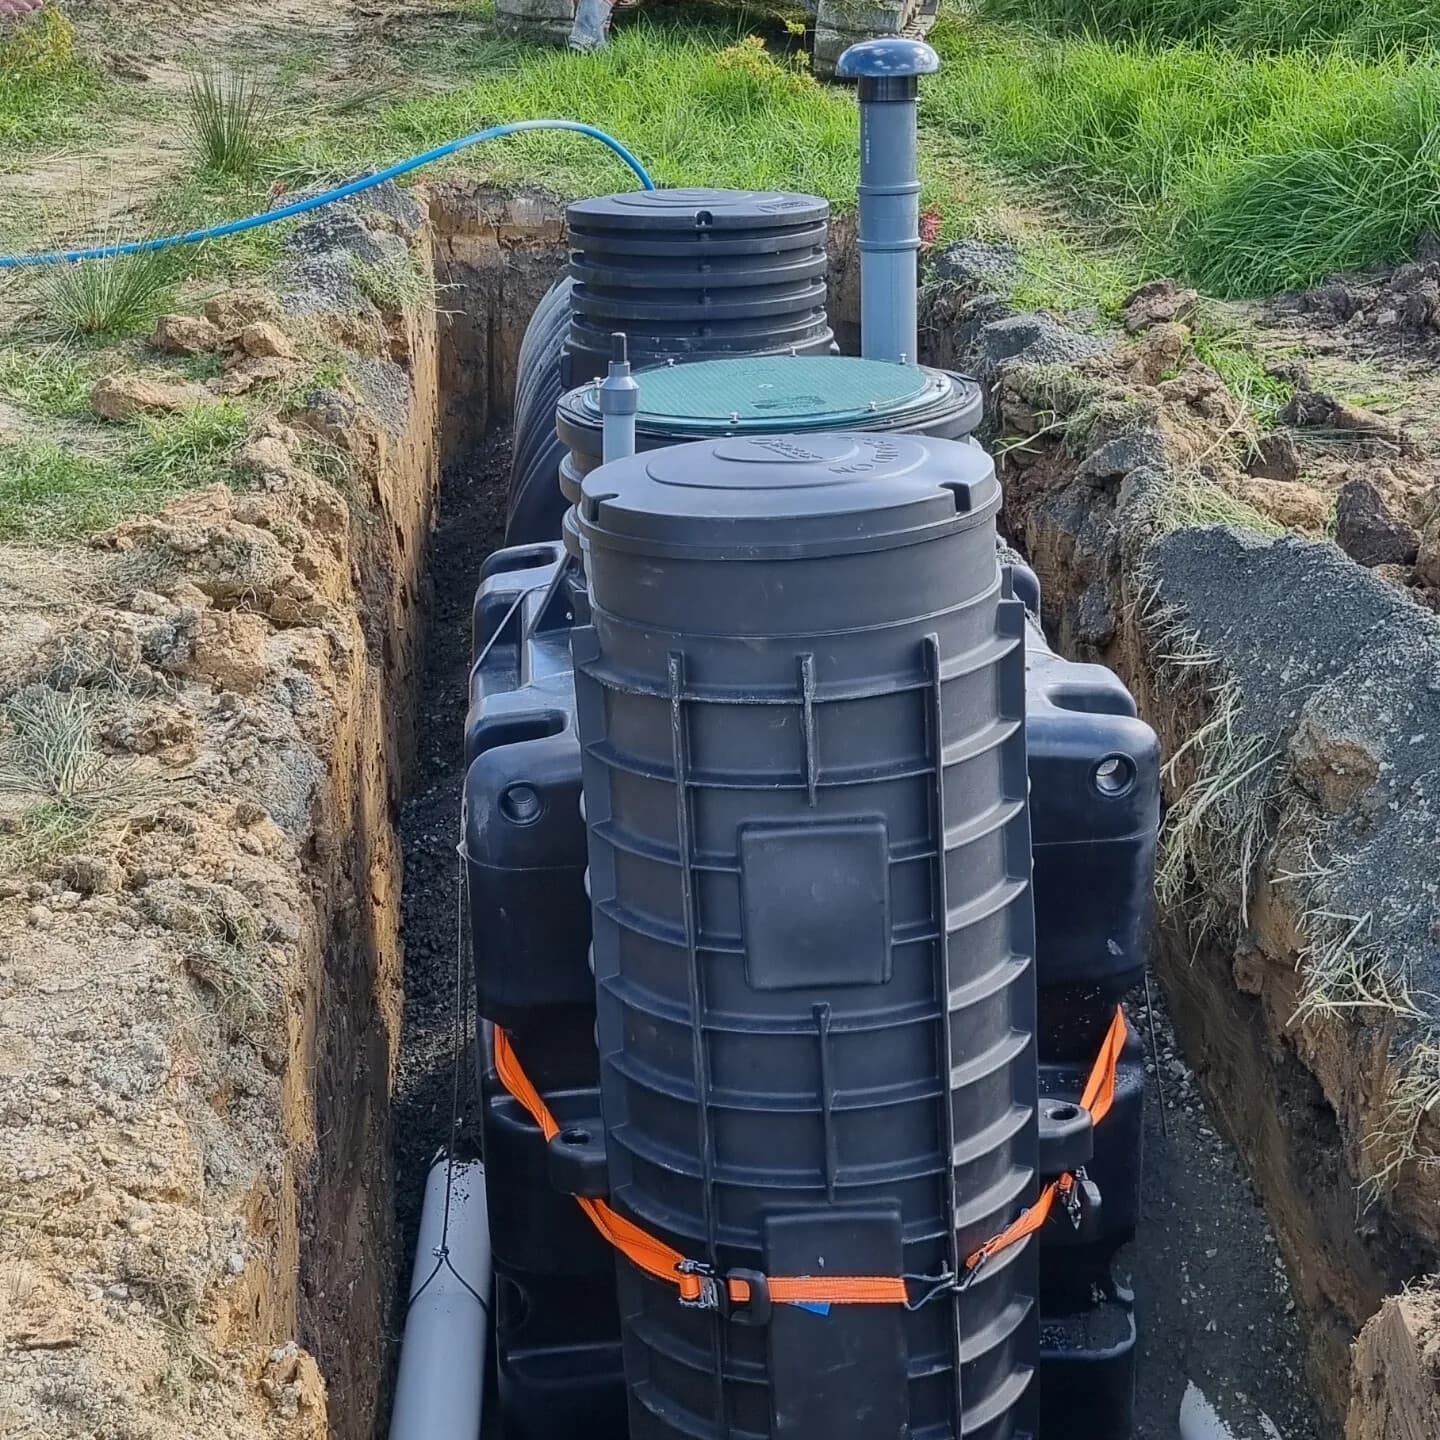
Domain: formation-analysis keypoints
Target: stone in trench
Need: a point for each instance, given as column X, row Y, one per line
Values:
column 1316, row 407
column 1395, row 1380
column 1427, row 559
column 230, row 650
column 90, row 875
column 1366, row 530
column 246, row 372
column 1420, row 307
column 1287, row 503
column 1094, row 621
column 122, row 397
column 1159, row 353
column 232, row 312
column 271, row 460
column 185, row 335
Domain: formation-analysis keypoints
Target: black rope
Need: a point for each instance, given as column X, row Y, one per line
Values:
column 461, row 1027
column 459, row 1030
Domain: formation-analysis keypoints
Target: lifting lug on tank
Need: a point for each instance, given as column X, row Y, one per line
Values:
column 1067, row 1137
column 575, row 1160
column 755, row 1308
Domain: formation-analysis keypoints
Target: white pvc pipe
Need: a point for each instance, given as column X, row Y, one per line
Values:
column 440, row 1390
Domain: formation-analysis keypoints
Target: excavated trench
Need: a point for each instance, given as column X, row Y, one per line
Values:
column 1239, row 1312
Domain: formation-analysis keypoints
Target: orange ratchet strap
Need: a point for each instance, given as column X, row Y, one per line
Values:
column 1099, row 1096
column 699, row 1286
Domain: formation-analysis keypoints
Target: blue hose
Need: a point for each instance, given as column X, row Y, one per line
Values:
column 301, row 207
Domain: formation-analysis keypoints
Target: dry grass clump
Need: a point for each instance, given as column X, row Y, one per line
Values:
column 1217, row 829
column 62, row 785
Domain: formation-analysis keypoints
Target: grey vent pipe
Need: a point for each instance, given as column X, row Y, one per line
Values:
column 440, row 1389
column 888, row 71
column 619, row 403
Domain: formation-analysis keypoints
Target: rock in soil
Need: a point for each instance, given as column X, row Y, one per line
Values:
column 121, row 397
column 1366, row 530
column 264, row 340
column 1395, row 1386
column 1276, row 457
column 1159, row 303
column 185, row 335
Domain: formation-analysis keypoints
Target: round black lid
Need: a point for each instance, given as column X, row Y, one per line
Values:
column 696, row 209
column 812, row 494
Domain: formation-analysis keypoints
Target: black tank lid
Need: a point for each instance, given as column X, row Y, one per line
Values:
column 697, row 210
column 768, row 496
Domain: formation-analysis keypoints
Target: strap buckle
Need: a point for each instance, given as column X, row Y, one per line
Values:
column 717, row 1293
column 709, row 1296
column 1070, row 1195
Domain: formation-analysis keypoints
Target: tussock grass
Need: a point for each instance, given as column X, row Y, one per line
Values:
column 1247, row 173
column 1216, row 830
column 187, row 450
column 1244, row 374
column 47, row 380
column 1189, row 499
column 400, row 284
column 229, row 126
column 49, row 492
column 109, row 298
column 231, row 964
column 1374, row 26
column 1343, row 971
column 1413, row 1096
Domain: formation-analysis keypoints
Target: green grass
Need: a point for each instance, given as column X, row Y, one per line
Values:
column 50, row 492
column 1247, row 174
column 700, row 107
column 399, row 284
column 42, row 80
column 189, row 449
column 49, row 380
column 1373, row 26
column 1245, row 375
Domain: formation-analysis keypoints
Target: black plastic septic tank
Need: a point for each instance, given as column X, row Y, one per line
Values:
column 801, row 708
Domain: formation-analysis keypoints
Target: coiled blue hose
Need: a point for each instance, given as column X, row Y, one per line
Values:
column 315, row 202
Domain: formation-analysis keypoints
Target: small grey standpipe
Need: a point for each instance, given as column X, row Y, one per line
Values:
column 888, row 72
column 619, row 400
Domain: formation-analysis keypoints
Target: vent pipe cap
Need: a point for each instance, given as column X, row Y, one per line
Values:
column 889, row 68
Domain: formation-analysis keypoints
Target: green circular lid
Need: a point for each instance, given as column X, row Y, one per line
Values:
column 769, row 392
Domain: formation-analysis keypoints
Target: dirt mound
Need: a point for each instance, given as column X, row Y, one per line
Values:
column 1377, row 306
